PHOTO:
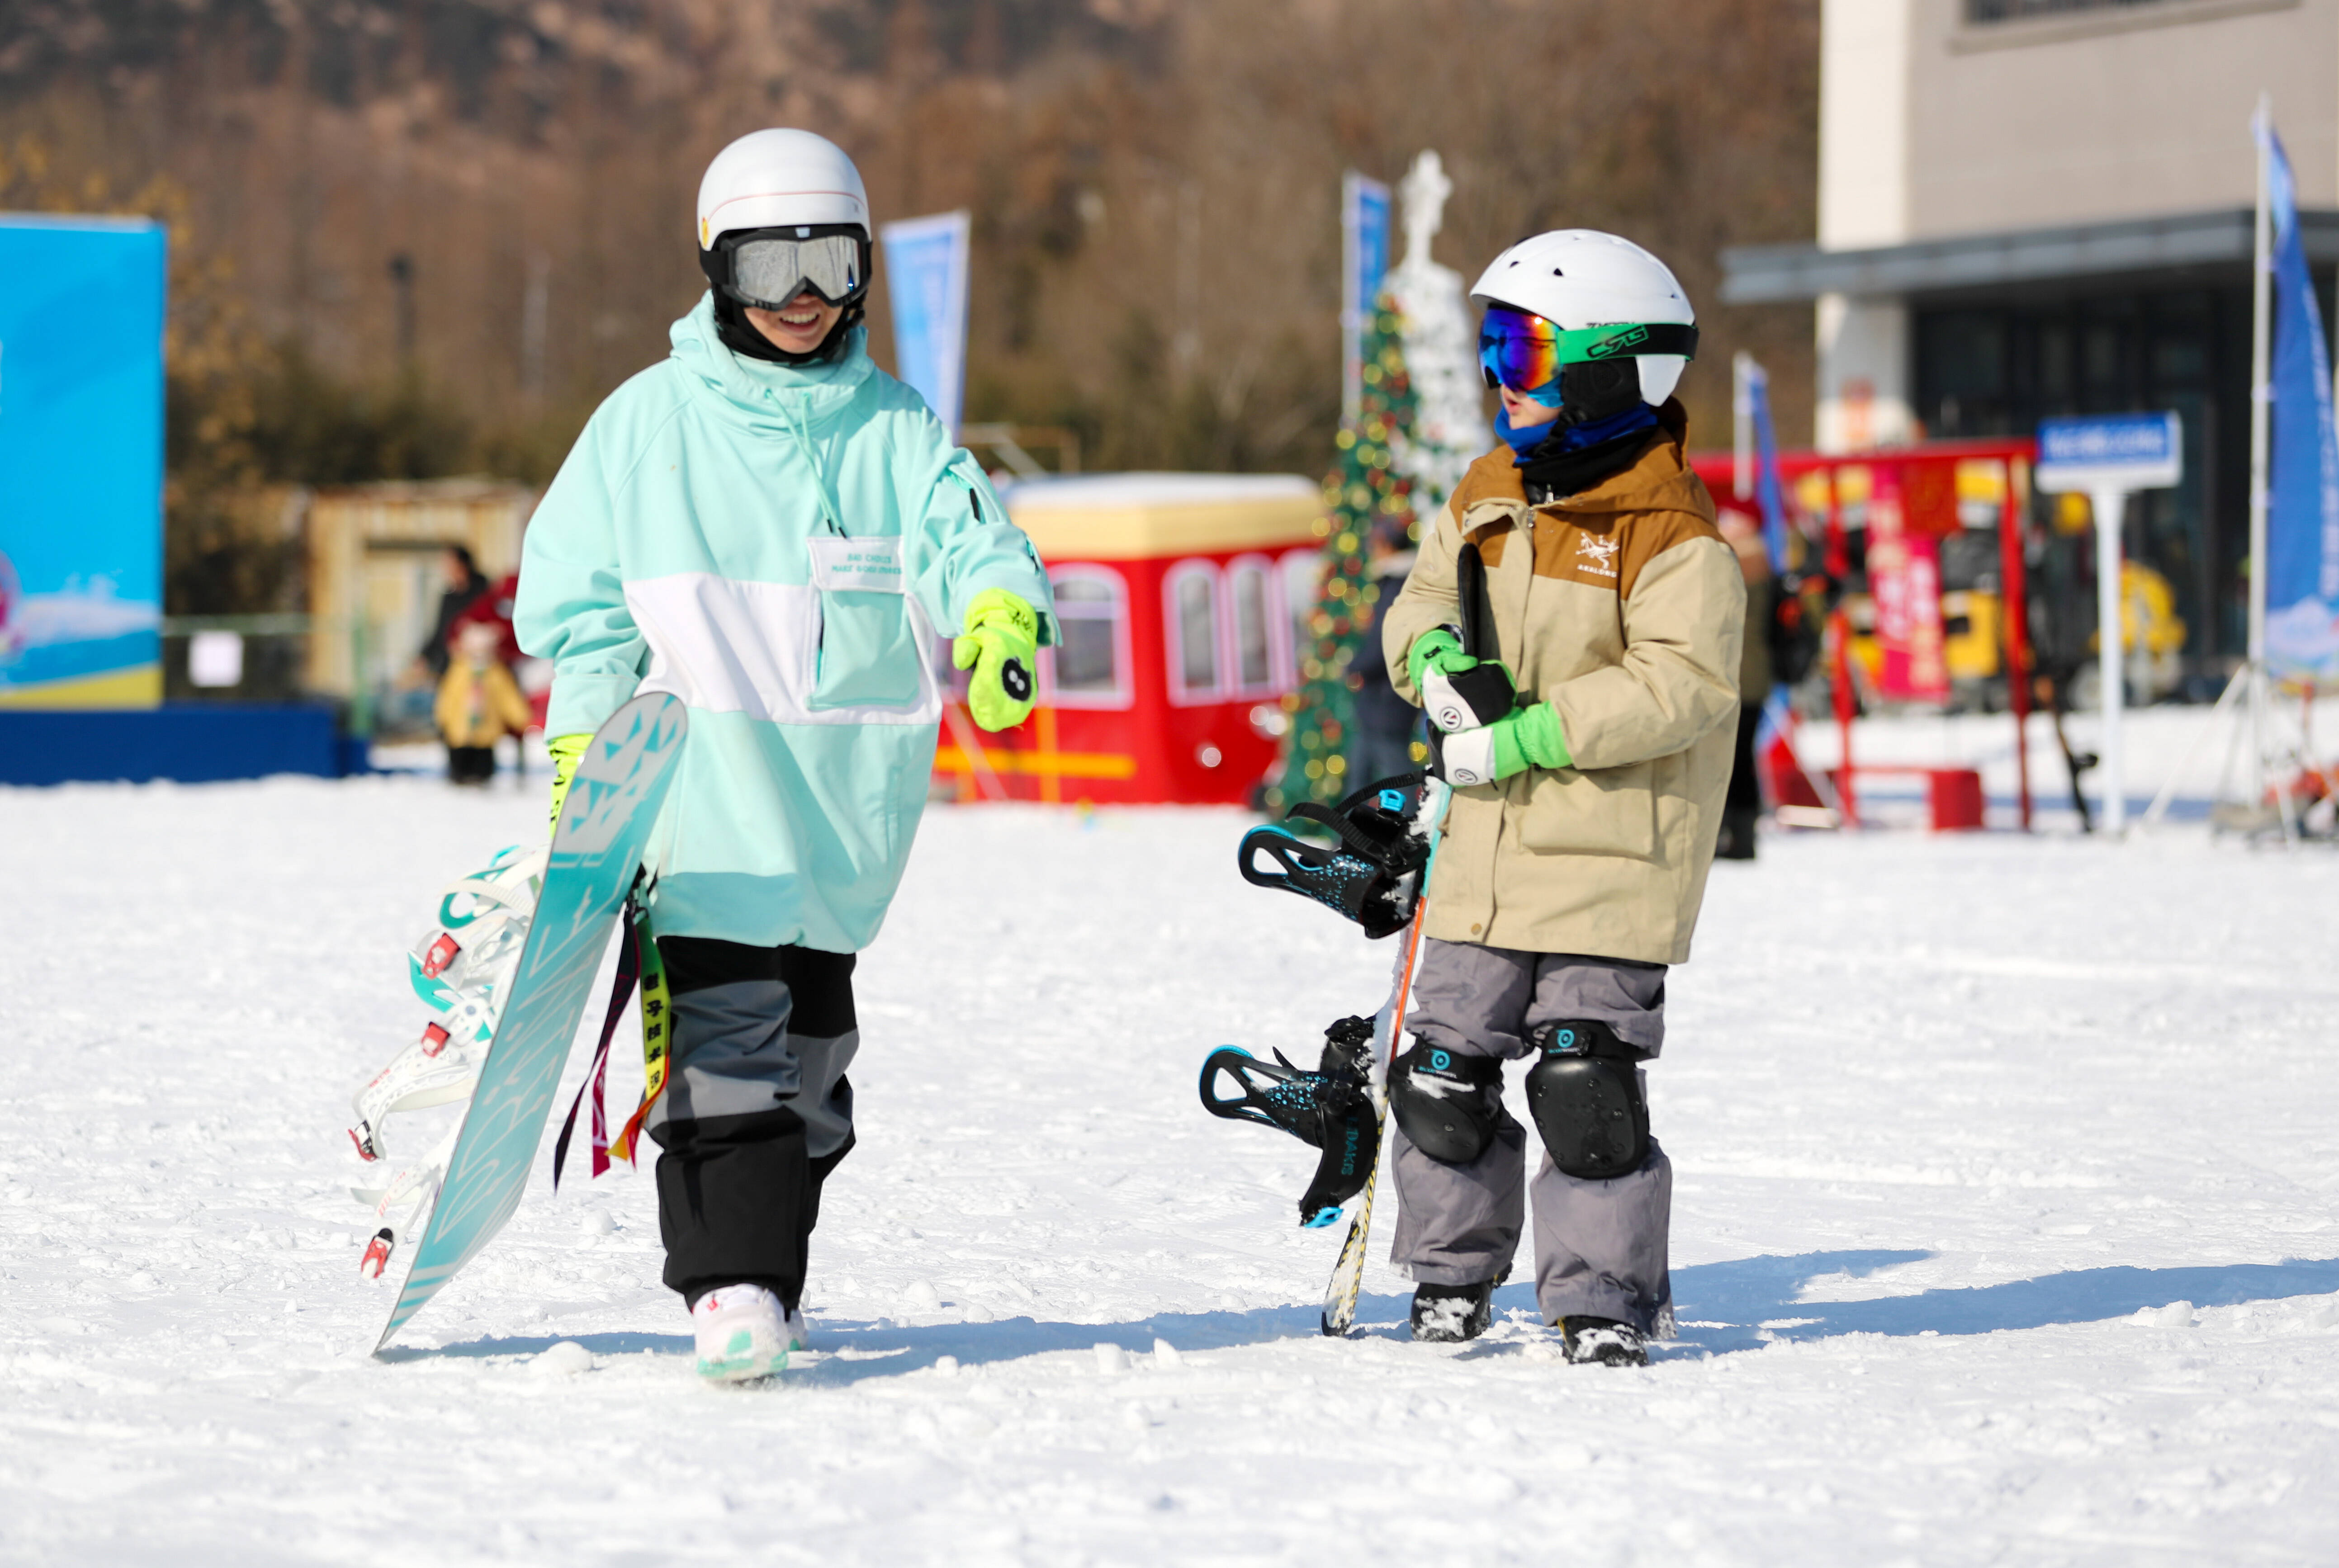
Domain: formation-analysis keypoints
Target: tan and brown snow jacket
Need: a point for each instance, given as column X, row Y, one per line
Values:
column 1623, row 608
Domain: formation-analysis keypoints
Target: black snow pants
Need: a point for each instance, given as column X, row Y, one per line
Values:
column 757, row 1110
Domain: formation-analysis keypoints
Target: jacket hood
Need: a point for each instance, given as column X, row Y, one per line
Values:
column 759, row 388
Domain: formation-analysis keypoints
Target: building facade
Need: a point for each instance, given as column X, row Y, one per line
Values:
column 2039, row 207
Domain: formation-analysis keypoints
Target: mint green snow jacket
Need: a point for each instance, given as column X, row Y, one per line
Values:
column 778, row 547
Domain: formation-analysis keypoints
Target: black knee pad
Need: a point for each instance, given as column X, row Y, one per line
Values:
column 1585, row 1094
column 1446, row 1102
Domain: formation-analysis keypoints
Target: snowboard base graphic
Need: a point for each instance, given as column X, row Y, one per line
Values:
column 604, row 826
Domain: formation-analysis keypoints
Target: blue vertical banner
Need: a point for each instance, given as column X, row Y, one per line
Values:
column 81, row 461
column 1364, row 263
column 2302, row 564
column 925, row 278
column 1769, row 496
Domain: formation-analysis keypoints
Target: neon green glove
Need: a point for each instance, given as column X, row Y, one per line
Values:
column 1002, row 633
column 566, row 752
column 1438, row 648
column 1457, row 692
column 1521, row 739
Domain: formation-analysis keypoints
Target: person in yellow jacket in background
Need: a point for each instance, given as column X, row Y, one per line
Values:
column 479, row 703
column 1588, row 785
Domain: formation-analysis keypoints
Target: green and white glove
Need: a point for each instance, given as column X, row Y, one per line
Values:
column 1457, row 692
column 1438, row 648
column 566, row 752
column 1001, row 636
column 1521, row 739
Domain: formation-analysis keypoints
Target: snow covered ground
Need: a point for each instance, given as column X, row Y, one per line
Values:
column 2004, row 1230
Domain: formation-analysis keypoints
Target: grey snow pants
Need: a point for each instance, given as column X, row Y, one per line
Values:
column 1599, row 1246
column 757, row 1110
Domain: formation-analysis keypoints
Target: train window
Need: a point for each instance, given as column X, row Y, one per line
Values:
column 1087, row 667
column 1193, row 590
column 1303, row 580
column 1250, row 588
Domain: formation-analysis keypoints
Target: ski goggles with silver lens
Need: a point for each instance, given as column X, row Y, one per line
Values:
column 770, row 267
column 1525, row 352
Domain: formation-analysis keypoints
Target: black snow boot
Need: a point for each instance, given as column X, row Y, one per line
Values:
column 1449, row 1314
column 1603, row 1340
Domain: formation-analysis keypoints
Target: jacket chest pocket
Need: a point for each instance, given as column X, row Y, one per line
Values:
column 868, row 653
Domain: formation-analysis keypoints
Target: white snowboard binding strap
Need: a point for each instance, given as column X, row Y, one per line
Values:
column 460, row 969
column 401, row 1205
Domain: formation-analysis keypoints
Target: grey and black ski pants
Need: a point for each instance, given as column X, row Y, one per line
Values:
column 1599, row 1245
column 757, row 1110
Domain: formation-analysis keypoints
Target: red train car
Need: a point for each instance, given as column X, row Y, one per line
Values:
column 1180, row 599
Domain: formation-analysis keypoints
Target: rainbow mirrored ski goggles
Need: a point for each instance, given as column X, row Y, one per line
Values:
column 1525, row 352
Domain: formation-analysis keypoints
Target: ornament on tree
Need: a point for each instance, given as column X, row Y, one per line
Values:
column 1366, row 493
column 1449, row 431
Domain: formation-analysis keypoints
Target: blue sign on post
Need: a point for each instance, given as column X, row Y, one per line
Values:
column 2116, row 451
column 925, row 278
column 81, row 461
column 2110, row 457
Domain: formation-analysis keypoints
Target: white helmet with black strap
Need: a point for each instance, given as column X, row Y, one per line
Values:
column 781, row 212
column 1584, row 321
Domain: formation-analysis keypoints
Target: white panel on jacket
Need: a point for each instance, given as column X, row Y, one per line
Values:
column 727, row 647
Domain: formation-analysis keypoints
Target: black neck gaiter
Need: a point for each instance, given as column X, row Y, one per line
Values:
column 1551, row 475
column 739, row 334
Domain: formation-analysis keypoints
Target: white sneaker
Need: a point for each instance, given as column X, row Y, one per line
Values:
column 742, row 1334
column 799, row 1331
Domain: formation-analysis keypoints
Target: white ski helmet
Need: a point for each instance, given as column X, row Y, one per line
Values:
column 1607, row 296
column 781, row 211
column 768, row 179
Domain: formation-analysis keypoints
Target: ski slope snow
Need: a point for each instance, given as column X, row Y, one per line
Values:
column 2004, row 1228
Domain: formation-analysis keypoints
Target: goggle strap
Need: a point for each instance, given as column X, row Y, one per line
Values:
column 1641, row 338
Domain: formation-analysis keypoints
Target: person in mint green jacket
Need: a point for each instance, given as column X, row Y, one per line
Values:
column 774, row 530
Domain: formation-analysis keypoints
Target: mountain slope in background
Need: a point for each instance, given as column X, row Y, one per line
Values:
column 495, row 194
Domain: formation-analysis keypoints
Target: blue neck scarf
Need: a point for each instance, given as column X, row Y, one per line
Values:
column 1575, row 438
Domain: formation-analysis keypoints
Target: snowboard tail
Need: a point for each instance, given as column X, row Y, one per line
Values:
column 596, row 848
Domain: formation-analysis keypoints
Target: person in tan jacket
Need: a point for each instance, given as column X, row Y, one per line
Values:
column 1588, row 740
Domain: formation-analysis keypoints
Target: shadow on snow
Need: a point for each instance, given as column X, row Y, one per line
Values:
column 1741, row 1294
column 1728, row 1302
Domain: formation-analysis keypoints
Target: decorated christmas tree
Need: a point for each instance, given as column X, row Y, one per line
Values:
column 1364, row 492
column 1448, row 429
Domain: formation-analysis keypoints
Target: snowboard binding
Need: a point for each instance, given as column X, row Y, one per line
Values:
column 1373, row 876
column 461, row 969
column 1329, row 1109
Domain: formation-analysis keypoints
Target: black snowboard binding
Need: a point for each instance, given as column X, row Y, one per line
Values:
column 1330, row 1108
column 1373, row 875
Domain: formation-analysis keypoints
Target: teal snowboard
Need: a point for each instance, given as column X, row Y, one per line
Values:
column 604, row 825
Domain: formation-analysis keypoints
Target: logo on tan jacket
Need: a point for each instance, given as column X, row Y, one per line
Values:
column 1596, row 553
